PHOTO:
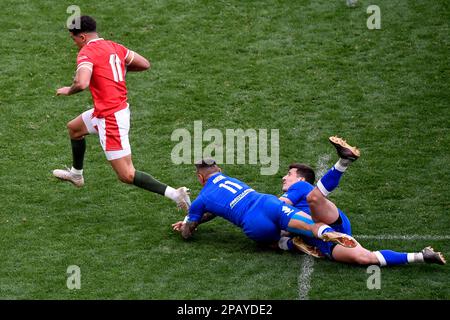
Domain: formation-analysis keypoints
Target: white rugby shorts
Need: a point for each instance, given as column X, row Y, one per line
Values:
column 112, row 132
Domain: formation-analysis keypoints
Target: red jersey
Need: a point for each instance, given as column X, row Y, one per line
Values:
column 106, row 59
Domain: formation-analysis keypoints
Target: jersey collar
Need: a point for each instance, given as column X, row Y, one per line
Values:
column 94, row 40
column 211, row 178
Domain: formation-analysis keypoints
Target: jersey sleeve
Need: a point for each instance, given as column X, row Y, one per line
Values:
column 85, row 60
column 196, row 210
column 122, row 51
column 297, row 192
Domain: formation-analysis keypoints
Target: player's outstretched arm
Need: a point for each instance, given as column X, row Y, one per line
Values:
column 135, row 62
column 188, row 228
column 80, row 82
column 207, row 216
column 187, row 232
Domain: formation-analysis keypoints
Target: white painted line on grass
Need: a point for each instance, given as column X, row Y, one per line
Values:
column 307, row 262
column 304, row 279
column 322, row 165
column 401, row 237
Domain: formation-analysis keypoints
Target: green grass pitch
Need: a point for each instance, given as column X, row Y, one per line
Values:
column 308, row 68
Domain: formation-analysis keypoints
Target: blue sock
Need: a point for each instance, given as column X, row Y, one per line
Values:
column 285, row 243
column 290, row 245
column 391, row 258
column 329, row 181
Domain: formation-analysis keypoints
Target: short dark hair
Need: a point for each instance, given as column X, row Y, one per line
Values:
column 87, row 24
column 304, row 171
column 207, row 165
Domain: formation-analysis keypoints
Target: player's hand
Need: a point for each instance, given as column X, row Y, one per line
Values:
column 177, row 226
column 64, row 91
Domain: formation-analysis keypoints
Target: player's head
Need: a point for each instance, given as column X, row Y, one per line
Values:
column 87, row 28
column 205, row 168
column 298, row 172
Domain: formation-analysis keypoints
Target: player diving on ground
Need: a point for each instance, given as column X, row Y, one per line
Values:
column 260, row 216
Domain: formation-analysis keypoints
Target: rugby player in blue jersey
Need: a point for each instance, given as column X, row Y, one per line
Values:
column 260, row 216
column 300, row 193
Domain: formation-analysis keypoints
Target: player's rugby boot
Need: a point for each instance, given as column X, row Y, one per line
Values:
column 344, row 150
column 306, row 248
column 183, row 200
column 431, row 256
column 67, row 175
column 340, row 238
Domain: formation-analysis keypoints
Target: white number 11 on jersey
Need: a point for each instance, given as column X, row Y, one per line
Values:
column 116, row 67
column 232, row 190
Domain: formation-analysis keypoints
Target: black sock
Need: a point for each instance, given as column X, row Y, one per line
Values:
column 147, row 182
column 337, row 222
column 78, row 149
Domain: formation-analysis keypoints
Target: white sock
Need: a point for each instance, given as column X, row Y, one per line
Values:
column 342, row 164
column 76, row 171
column 171, row 193
column 321, row 230
column 282, row 243
column 415, row 257
column 322, row 188
column 381, row 259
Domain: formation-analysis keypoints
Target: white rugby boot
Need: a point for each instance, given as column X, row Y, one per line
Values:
column 67, row 175
column 183, row 201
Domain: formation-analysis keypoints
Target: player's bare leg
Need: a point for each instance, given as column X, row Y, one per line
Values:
column 301, row 223
column 77, row 131
column 362, row 256
column 357, row 255
column 323, row 209
column 124, row 169
column 128, row 174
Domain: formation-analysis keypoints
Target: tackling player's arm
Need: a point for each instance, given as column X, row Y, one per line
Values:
column 136, row 62
column 286, row 200
column 197, row 214
column 80, row 82
column 188, row 227
column 207, row 216
column 296, row 193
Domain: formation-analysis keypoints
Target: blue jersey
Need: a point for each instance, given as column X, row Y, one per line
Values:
column 225, row 197
column 297, row 193
column 261, row 216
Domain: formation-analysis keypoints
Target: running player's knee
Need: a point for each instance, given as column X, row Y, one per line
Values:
column 70, row 128
column 73, row 130
column 126, row 177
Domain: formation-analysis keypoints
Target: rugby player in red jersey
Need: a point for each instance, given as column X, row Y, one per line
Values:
column 102, row 66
